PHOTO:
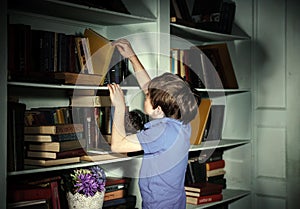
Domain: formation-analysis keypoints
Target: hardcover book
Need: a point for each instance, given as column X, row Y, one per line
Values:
column 52, row 138
column 114, row 194
column 56, row 155
column 214, row 126
column 203, row 188
column 90, row 101
column 54, row 129
column 15, row 136
column 51, row 162
column 99, row 157
column 219, row 57
column 204, row 199
column 199, row 123
column 101, row 52
column 215, row 165
column 57, row 146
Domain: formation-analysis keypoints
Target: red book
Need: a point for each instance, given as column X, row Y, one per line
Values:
column 115, row 180
column 27, row 193
column 204, row 188
column 215, row 165
column 204, row 199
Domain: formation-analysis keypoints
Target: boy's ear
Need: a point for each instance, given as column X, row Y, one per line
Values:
column 159, row 112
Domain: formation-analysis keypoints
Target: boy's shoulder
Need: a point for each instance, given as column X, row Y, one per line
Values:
column 162, row 122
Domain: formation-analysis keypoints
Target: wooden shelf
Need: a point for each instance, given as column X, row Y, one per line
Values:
column 229, row 195
column 203, row 35
column 82, row 13
column 217, row 144
column 64, row 86
column 37, row 169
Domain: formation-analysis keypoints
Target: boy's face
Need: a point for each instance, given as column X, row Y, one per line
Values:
column 148, row 108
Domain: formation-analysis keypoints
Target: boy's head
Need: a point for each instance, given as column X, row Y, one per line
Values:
column 174, row 97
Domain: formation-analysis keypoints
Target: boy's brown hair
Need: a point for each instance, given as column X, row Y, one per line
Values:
column 174, row 96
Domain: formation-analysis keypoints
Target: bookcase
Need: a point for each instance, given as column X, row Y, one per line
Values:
column 148, row 18
column 236, row 135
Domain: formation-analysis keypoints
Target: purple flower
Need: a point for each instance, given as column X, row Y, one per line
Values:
column 88, row 181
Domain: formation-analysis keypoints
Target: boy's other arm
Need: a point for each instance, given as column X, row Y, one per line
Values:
column 120, row 142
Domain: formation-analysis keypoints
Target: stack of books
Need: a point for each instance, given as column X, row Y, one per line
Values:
column 116, row 194
column 40, row 193
column 51, row 142
column 200, row 193
column 215, row 169
column 204, row 180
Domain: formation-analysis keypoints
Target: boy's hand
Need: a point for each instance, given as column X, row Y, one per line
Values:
column 116, row 95
column 124, row 48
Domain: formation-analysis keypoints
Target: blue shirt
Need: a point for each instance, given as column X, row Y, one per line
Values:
column 165, row 143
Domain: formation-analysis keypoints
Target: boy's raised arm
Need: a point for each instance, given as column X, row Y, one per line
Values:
column 141, row 74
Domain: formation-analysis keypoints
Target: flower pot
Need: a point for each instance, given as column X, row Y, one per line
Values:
column 80, row 201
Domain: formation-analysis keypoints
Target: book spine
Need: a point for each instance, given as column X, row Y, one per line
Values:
column 114, row 195
column 55, row 195
column 71, row 153
column 16, row 195
column 215, row 165
column 210, row 198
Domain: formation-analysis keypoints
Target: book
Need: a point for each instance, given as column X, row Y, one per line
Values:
column 129, row 201
column 15, row 136
column 214, row 126
column 19, row 62
column 87, row 55
column 115, row 187
column 90, row 101
column 48, row 191
column 54, row 129
column 203, row 188
column 198, row 124
column 116, row 180
column 77, row 78
column 52, row 138
column 219, row 56
column 56, row 155
column 195, row 70
column 114, row 195
column 196, row 172
column 215, row 172
column 204, row 199
column 92, row 157
column 215, row 165
column 51, row 162
column 57, row 146
column 29, row 194
column 101, row 52
column 80, row 55
column 216, row 16
column 31, row 204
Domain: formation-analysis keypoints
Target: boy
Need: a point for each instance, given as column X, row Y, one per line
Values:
column 165, row 140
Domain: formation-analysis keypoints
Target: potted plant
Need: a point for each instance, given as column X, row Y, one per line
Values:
column 85, row 187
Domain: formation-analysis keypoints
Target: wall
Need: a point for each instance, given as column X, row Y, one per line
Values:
column 276, row 104
column 3, row 87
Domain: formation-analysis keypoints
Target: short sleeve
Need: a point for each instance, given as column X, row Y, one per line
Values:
column 151, row 138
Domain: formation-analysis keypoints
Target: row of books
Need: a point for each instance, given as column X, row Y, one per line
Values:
column 32, row 54
column 216, row 16
column 206, row 66
column 46, row 192
column 83, row 133
column 204, row 180
column 208, row 124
